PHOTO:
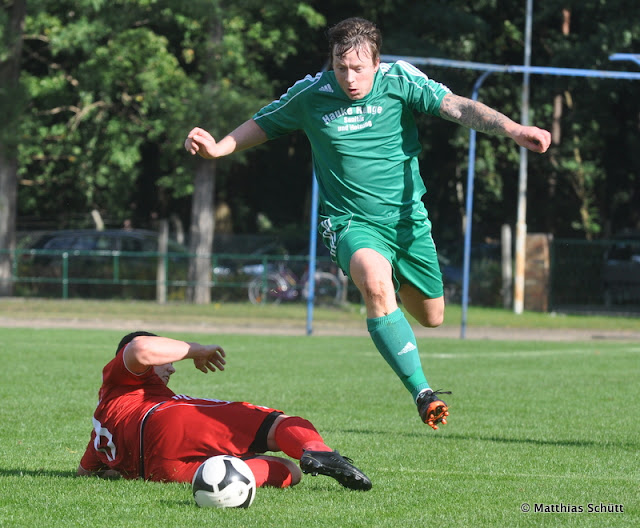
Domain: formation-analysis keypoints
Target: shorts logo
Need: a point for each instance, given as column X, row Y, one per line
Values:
column 329, row 235
column 407, row 348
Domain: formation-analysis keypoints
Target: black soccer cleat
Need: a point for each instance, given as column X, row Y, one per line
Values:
column 334, row 465
column 432, row 409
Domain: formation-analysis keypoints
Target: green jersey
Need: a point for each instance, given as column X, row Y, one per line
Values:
column 365, row 151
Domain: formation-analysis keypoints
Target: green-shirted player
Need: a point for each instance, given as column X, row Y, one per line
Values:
column 359, row 120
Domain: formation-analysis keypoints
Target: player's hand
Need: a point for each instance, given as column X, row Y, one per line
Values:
column 110, row 474
column 533, row 138
column 208, row 358
column 200, row 142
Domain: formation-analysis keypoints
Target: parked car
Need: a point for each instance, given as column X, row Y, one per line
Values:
column 485, row 281
column 137, row 240
column 621, row 271
column 98, row 263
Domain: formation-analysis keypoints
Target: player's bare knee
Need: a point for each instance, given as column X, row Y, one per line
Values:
column 431, row 320
column 435, row 321
column 373, row 291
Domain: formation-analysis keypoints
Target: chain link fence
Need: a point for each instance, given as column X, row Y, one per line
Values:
column 601, row 276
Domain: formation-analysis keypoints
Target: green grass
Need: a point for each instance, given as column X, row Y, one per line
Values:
column 535, row 422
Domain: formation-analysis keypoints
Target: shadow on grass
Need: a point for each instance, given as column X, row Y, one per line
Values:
column 631, row 446
column 6, row 472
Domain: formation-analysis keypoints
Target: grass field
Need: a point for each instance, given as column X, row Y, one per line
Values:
column 552, row 424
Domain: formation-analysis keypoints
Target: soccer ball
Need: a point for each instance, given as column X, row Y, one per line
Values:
column 223, row 481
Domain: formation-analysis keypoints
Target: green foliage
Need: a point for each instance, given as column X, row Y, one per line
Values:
column 112, row 87
column 107, row 93
column 110, row 81
column 569, row 194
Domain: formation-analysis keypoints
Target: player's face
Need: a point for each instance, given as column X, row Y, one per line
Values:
column 355, row 72
column 164, row 371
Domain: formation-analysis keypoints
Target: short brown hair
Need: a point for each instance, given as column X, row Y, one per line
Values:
column 130, row 337
column 354, row 33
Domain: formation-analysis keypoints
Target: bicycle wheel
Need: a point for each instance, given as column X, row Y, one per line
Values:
column 267, row 290
column 328, row 289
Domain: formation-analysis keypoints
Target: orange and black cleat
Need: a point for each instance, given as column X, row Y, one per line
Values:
column 432, row 409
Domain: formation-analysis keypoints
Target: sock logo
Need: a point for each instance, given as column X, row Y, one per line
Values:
column 407, row 348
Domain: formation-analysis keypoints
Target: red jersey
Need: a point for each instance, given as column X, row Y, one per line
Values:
column 180, row 432
column 123, row 401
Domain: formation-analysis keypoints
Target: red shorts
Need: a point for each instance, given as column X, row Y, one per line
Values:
column 184, row 432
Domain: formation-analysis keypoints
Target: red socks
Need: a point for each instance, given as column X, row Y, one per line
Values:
column 270, row 472
column 295, row 435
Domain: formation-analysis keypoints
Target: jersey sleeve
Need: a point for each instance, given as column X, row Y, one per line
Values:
column 90, row 460
column 286, row 114
column 116, row 373
column 422, row 94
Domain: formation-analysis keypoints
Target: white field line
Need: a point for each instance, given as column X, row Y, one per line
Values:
column 532, row 353
column 522, row 353
column 474, row 474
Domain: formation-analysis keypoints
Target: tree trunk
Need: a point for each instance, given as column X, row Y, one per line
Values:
column 9, row 76
column 556, row 125
column 202, row 206
column 201, row 233
column 8, row 192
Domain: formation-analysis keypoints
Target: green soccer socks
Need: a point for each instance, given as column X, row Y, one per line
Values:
column 395, row 340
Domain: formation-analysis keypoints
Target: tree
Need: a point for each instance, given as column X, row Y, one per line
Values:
column 106, row 92
column 113, row 86
column 11, row 27
column 231, row 58
column 575, row 190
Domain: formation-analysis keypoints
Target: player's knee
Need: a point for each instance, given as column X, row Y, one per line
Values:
column 431, row 319
column 372, row 290
column 371, row 273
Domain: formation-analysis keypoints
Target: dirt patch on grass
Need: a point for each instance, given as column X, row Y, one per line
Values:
column 295, row 328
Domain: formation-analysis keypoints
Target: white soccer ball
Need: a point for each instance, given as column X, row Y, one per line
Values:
column 224, row 481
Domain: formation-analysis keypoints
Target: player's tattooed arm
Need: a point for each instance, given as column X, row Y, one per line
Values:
column 473, row 114
column 480, row 117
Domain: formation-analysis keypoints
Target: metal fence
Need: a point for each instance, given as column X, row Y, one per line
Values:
column 595, row 275
column 583, row 276
column 139, row 275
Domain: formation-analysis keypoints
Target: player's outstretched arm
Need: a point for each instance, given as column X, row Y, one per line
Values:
column 247, row 135
column 482, row 118
column 96, row 468
column 147, row 351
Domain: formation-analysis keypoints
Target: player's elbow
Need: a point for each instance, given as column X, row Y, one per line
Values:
column 139, row 354
column 141, row 350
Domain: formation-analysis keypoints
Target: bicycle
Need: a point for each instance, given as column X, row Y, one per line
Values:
column 274, row 287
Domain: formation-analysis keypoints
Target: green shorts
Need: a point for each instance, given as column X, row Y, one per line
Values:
column 407, row 245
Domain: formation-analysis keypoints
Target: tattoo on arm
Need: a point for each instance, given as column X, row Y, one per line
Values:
column 473, row 114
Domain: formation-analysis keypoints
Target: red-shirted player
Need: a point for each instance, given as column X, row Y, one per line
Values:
column 142, row 429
